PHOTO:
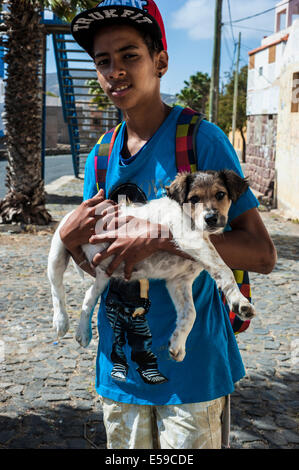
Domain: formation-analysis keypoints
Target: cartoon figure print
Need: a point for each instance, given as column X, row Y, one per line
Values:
column 127, row 304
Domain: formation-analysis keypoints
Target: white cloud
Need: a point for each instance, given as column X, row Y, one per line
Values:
column 197, row 18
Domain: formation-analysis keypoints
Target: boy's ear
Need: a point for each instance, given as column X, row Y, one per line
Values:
column 235, row 184
column 162, row 62
column 180, row 187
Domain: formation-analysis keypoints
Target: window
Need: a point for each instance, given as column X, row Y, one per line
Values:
column 272, row 54
column 295, row 93
column 281, row 20
column 260, row 71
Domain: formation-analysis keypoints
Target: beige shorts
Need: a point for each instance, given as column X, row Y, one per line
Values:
column 188, row 426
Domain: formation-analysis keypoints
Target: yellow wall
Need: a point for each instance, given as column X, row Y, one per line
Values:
column 238, row 141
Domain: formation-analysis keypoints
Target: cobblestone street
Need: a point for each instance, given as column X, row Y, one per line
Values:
column 47, row 396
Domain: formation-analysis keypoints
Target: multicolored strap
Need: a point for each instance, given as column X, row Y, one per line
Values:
column 103, row 152
column 186, row 160
column 242, row 280
column 185, row 149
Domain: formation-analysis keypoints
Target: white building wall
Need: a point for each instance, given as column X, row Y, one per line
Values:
column 287, row 146
column 263, row 82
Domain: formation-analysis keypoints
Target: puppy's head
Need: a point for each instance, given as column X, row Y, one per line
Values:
column 207, row 195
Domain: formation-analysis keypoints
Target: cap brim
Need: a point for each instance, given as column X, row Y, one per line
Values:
column 88, row 22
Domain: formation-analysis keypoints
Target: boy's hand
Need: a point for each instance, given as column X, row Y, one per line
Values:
column 80, row 225
column 131, row 241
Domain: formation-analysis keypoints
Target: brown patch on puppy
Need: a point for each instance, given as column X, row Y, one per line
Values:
column 236, row 185
column 180, row 187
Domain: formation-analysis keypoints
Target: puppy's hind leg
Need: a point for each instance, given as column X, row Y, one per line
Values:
column 84, row 333
column 180, row 291
column 57, row 263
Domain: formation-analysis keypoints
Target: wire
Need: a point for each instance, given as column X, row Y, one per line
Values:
column 230, row 20
column 254, row 29
column 228, row 50
column 257, row 14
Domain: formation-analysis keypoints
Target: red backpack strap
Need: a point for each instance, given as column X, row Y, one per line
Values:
column 103, row 152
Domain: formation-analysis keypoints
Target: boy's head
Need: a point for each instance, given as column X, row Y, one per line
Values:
column 143, row 15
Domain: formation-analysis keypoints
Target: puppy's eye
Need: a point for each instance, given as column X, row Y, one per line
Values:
column 194, row 199
column 220, row 195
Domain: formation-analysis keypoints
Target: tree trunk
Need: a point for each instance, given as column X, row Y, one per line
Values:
column 243, row 146
column 25, row 200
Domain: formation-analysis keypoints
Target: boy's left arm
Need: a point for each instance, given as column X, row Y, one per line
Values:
column 248, row 245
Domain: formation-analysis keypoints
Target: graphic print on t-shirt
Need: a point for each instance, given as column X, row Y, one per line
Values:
column 127, row 304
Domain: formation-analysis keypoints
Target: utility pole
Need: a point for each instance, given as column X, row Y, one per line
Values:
column 235, row 104
column 214, row 87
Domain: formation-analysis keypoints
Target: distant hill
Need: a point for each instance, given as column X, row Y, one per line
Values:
column 52, row 86
column 168, row 99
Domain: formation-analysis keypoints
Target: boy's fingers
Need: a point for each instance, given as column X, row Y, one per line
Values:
column 114, row 265
column 99, row 197
column 103, row 238
column 128, row 271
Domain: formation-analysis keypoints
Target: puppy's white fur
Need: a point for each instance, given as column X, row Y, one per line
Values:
column 179, row 273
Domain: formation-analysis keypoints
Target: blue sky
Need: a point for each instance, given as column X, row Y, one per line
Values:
column 189, row 28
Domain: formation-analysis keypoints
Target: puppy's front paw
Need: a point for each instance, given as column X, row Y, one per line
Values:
column 61, row 324
column 83, row 334
column 177, row 348
column 244, row 309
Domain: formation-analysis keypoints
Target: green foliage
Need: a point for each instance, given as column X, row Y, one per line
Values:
column 99, row 97
column 196, row 92
column 67, row 9
column 50, row 93
column 226, row 98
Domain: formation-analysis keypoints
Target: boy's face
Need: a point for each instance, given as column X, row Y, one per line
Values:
column 126, row 71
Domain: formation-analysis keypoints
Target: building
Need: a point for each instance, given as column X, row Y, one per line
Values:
column 272, row 155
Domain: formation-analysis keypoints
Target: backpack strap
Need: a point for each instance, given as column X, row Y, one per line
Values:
column 103, row 152
column 186, row 160
column 186, row 155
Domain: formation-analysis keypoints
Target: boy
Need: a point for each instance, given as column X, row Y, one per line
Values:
column 185, row 401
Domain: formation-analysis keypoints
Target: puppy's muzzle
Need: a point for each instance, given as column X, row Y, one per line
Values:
column 211, row 219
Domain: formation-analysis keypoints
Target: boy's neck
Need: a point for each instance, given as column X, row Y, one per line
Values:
column 142, row 124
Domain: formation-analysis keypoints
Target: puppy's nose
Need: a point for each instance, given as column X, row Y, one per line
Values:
column 211, row 219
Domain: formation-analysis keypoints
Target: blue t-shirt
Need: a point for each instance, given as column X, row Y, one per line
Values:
column 212, row 363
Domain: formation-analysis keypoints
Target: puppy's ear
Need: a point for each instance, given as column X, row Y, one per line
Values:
column 235, row 185
column 179, row 188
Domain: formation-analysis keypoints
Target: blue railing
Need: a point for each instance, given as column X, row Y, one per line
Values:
column 67, row 98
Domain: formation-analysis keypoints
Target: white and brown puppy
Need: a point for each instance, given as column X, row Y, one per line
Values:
column 196, row 206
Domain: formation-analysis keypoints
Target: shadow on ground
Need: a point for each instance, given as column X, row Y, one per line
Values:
column 58, row 199
column 287, row 246
column 264, row 410
column 62, row 427
column 263, row 416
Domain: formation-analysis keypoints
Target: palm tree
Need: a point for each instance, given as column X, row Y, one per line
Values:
column 25, row 200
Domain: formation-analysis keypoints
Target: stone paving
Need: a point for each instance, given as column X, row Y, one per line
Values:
column 47, row 397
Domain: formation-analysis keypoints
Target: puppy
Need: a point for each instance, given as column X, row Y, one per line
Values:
column 195, row 207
